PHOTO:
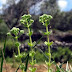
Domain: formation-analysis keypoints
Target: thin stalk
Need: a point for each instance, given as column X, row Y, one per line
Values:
column 18, row 46
column 18, row 51
column 3, row 53
column 48, row 48
column 23, row 71
column 31, row 49
column 26, row 65
column 4, row 61
column 30, row 36
column 30, row 42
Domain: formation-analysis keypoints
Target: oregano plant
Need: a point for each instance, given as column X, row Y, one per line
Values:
column 27, row 21
column 15, row 33
column 45, row 20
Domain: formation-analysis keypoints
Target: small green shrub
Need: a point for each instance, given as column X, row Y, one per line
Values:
column 10, row 46
column 9, row 60
column 62, row 54
column 39, row 57
column 32, row 55
column 3, row 30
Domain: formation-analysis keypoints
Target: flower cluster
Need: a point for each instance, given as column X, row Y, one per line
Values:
column 15, row 32
column 26, row 20
column 45, row 19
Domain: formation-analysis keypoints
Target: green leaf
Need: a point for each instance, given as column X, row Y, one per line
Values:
column 49, row 44
column 40, row 19
column 8, row 33
column 34, row 69
column 52, row 62
column 25, row 59
column 22, row 21
column 30, row 69
column 46, row 43
column 21, row 31
column 48, row 54
column 23, row 17
column 31, row 21
column 46, row 62
column 32, row 53
column 30, row 33
column 18, row 56
column 32, row 63
column 29, row 25
column 22, row 66
column 47, row 33
column 17, row 44
column 35, row 61
column 26, row 65
column 34, row 43
column 58, row 69
column 30, row 44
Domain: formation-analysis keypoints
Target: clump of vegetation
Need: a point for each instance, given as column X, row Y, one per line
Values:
column 60, row 69
column 15, row 33
column 62, row 54
column 3, row 30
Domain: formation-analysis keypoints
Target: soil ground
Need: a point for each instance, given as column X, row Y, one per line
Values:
column 40, row 68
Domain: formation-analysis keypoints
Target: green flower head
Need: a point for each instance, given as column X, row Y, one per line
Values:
column 26, row 16
column 45, row 19
column 15, row 31
column 26, row 19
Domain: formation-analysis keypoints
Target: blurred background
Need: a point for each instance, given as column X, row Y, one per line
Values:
column 61, row 27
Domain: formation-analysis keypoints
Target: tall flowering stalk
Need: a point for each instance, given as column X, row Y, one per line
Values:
column 15, row 33
column 27, row 21
column 45, row 19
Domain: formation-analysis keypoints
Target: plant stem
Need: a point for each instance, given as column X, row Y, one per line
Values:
column 48, row 49
column 23, row 71
column 31, row 48
column 2, row 54
column 18, row 46
column 18, row 51
column 31, row 43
